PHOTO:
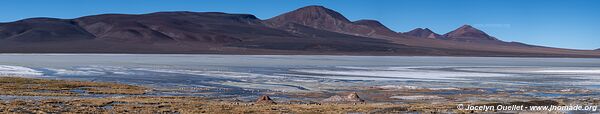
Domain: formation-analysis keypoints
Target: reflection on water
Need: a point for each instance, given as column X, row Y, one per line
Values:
column 223, row 75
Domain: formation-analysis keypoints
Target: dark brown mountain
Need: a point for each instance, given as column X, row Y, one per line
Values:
column 469, row 34
column 423, row 33
column 377, row 29
column 176, row 26
column 43, row 30
column 323, row 18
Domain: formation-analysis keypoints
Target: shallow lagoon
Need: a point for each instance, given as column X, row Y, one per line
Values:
column 249, row 75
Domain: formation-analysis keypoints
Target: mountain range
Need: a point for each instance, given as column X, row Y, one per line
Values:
column 307, row 30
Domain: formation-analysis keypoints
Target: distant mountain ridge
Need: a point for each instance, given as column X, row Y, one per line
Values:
column 468, row 33
column 423, row 33
column 307, row 30
column 172, row 26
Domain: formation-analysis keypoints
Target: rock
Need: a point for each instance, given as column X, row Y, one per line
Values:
column 351, row 98
column 354, row 97
column 265, row 100
column 335, row 98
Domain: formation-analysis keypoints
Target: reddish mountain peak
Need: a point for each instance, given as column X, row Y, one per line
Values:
column 315, row 11
column 317, row 17
column 311, row 13
column 423, row 33
column 468, row 33
column 322, row 18
column 466, row 26
column 469, row 29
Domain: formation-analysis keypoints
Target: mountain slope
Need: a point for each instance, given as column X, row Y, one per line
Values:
column 188, row 32
column 176, row 26
column 423, row 33
column 43, row 30
column 377, row 29
column 469, row 34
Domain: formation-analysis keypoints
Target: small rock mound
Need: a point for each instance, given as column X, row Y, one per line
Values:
column 354, row 97
column 351, row 98
column 265, row 100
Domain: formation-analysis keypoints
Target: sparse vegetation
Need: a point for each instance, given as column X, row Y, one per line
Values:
column 184, row 105
column 44, row 87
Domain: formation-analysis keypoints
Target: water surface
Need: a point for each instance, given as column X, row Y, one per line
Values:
column 224, row 75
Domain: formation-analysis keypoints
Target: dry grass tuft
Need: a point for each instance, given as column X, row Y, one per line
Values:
column 44, row 87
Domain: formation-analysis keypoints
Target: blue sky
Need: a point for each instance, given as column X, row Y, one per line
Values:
column 557, row 23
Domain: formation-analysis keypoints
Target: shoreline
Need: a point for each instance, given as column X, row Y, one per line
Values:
column 324, row 55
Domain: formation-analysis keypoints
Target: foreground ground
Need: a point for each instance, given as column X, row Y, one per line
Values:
column 61, row 96
column 43, row 87
column 187, row 105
